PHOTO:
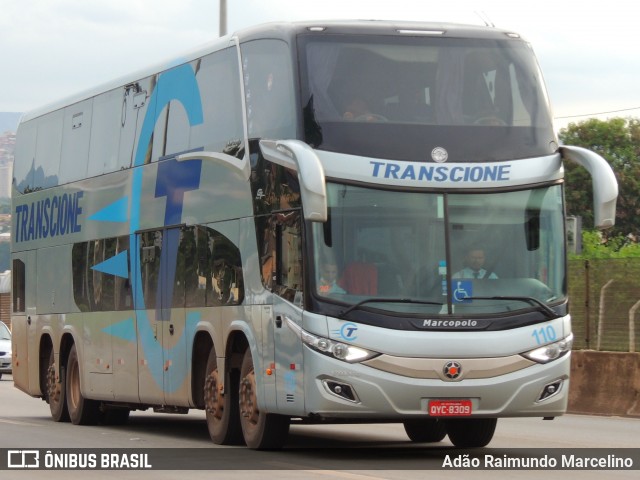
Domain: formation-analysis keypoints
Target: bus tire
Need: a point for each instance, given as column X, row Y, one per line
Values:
column 82, row 411
column 222, row 410
column 56, row 394
column 425, row 429
column 261, row 430
column 471, row 432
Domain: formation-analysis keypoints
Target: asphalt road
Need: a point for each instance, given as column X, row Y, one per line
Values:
column 330, row 451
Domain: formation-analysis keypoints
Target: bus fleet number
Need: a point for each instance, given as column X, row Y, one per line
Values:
column 545, row 334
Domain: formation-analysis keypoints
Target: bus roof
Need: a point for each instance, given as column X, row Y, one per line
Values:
column 283, row 30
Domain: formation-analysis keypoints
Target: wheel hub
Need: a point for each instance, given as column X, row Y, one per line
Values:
column 53, row 386
column 248, row 398
column 213, row 401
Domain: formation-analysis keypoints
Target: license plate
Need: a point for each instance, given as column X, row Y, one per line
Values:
column 450, row 408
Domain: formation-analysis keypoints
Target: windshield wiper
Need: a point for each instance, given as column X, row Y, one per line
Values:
column 542, row 307
column 385, row 300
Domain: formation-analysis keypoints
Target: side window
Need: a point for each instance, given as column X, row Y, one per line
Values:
column 198, row 258
column 150, row 251
column 133, row 103
column 76, row 135
column 227, row 271
column 106, row 123
column 18, row 280
column 46, row 163
column 123, row 297
column 208, row 272
column 266, row 233
column 80, row 268
column 211, row 268
column 268, row 81
column 288, row 236
column 25, row 152
column 218, row 76
column 94, row 287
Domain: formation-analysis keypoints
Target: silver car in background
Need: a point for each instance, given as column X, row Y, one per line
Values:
column 5, row 349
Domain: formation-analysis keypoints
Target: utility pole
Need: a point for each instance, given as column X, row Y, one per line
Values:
column 223, row 17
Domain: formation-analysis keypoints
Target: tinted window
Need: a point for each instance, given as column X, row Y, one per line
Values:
column 281, row 266
column 94, row 289
column 210, row 268
column 401, row 97
column 268, row 81
column 218, row 77
column 18, row 280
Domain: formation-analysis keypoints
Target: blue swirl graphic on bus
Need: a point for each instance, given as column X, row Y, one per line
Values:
column 173, row 180
column 179, row 84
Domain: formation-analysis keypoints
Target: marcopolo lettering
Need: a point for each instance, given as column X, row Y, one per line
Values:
column 51, row 217
column 450, row 323
column 441, row 173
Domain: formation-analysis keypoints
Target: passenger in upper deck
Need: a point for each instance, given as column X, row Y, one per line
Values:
column 358, row 110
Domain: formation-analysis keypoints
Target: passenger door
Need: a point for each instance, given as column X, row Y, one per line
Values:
column 161, row 323
column 172, row 319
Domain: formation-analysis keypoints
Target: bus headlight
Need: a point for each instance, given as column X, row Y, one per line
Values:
column 550, row 352
column 339, row 350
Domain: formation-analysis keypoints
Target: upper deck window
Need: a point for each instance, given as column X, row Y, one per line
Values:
column 268, row 88
column 400, row 97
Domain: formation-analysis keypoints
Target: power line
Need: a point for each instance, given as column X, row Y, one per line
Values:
column 597, row 113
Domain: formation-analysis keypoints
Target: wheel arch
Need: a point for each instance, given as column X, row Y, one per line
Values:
column 44, row 353
column 46, row 346
column 202, row 345
column 235, row 346
column 66, row 342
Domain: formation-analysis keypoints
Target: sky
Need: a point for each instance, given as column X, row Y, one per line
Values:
column 50, row 49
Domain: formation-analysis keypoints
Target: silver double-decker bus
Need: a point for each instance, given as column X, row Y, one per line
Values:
column 302, row 223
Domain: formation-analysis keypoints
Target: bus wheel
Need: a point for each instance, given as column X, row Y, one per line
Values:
column 425, row 429
column 261, row 430
column 223, row 418
column 82, row 411
column 56, row 391
column 471, row 432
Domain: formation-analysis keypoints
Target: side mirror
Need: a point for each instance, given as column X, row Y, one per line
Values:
column 300, row 157
column 605, row 185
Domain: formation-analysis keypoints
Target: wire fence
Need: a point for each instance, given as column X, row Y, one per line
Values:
column 604, row 299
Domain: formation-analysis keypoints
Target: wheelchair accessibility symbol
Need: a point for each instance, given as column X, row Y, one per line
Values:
column 462, row 291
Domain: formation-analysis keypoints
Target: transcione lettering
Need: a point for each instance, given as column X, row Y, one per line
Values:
column 47, row 218
column 441, row 173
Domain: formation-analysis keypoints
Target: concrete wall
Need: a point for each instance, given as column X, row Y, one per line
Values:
column 605, row 383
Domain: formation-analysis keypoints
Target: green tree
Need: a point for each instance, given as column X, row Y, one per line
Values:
column 618, row 141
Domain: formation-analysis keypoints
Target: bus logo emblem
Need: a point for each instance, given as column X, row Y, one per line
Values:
column 439, row 155
column 452, row 370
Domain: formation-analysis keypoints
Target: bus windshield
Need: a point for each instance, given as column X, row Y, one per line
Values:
column 400, row 97
column 441, row 253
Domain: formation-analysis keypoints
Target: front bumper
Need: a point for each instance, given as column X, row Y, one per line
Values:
column 372, row 393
